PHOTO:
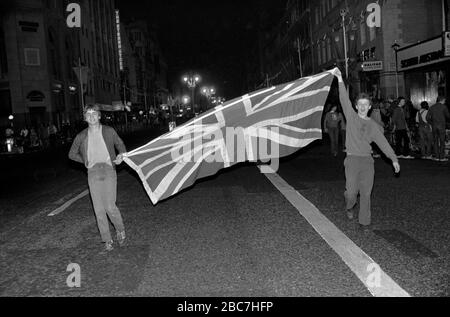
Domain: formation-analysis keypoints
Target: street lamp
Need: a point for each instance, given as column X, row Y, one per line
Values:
column 396, row 46
column 192, row 82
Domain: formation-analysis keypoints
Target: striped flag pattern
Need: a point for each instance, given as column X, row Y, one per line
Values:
column 266, row 124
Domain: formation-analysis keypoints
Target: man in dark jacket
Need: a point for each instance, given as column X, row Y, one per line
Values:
column 95, row 148
column 401, row 130
column 437, row 115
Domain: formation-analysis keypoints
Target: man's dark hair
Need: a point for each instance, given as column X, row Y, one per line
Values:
column 91, row 108
column 424, row 105
column 363, row 95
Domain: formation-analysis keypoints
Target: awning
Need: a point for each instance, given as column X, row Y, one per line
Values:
column 115, row 106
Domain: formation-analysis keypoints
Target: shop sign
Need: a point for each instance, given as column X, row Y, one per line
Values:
column 372, row 66
column 422, row 54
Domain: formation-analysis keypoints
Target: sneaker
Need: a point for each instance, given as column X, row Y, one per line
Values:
column 121, row 238
column 109, row 246
column 443, row 160
column 365, row 229
column 350, row 214
column 376, row 155
column 400, row 156
column 408, row 157
column 436, row 159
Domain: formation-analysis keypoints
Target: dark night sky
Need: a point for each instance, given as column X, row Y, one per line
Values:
column 210, row 37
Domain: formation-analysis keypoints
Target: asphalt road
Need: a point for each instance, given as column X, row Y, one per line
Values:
column 233, row 234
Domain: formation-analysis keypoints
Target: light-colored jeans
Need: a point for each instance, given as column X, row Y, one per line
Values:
column 102, row 179
column 359, row 175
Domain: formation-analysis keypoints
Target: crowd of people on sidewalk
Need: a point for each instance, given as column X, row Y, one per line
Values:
column 37, row 137
column 410, row 131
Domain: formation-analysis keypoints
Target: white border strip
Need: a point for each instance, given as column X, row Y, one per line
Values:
column 355, row 258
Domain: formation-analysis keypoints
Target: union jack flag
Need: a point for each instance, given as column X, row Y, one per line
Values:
column 267, row 124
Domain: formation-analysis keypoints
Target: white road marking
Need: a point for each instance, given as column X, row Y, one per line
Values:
column 355, row 258
column 67, row 204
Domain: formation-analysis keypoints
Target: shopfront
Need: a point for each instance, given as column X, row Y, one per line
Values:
column 369, row 77
column 426, row 70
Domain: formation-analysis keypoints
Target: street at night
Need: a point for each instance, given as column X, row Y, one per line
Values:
column 251, row 150
column 231, row 235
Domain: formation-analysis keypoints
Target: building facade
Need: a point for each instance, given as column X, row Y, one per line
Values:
column 145, row 68
column 311, row 34
column 40, row 55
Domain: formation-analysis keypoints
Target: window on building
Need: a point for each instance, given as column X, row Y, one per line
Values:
column 317, row 13
column 27, row 26
column 5, row 102
column 32, row 57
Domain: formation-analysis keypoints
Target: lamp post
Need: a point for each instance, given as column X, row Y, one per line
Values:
column 395, row 46
column 192, row 82
column 299, row 52
column 344, row 13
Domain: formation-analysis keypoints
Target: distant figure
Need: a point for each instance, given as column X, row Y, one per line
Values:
column 437, row 115
column 425, row 132
column 9, row 132
column 52, row 131
column 401, row 130
column 331, row 124
column 43, row 133
column 95, row 148
column 34, row 139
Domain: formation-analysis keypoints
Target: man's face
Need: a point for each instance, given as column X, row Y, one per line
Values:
column 363, row 106
column 92, row 117
column 402, row 103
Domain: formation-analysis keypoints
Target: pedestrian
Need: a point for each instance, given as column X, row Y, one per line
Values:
column 437, row 116
column 425, row 131
column 331, row 124
column 95, row 148
column 376, row 116
column 359, row 164
column 34, row 139
column 401, row 130
column 44, row 136
column 52, row 131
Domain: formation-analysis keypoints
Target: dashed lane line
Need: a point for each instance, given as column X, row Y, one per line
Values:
column 68, row 203
column 369, row 273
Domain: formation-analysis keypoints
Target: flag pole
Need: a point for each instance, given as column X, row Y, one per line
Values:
column 81, row 82
column 299, row 57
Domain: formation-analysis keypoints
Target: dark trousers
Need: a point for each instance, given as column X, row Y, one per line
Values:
column 426, row 140
column 334, row 139
column 401, row 142
column 102, row 179
column 359, row 175
column 343, row 135
column 439, row 142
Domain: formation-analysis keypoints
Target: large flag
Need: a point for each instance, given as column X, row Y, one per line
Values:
column 263, row 125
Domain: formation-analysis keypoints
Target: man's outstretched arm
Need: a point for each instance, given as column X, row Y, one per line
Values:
column 74, row 153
